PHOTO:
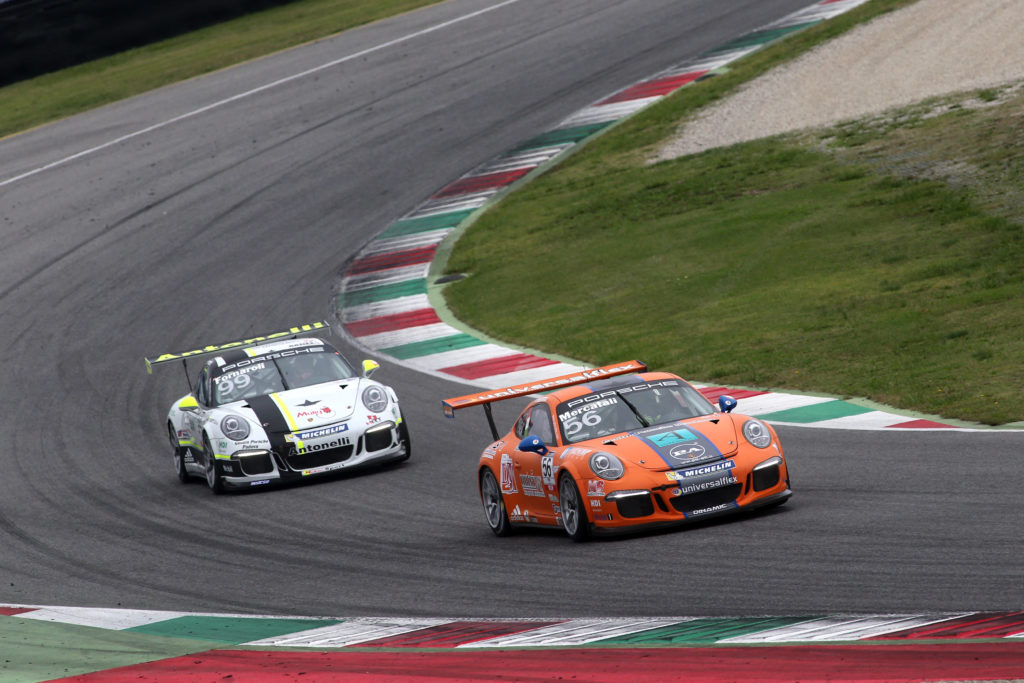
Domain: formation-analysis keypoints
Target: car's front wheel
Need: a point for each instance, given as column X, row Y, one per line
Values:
column 574, row 514
column 213, row 476
column 179, row 454
column 494, row 504
column 403, row 438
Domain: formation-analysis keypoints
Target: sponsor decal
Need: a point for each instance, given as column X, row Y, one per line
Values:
column 314, row 447
column 492, row 450
column 703, row 470
column 595, row 487
column 518, row 515
column 612, row 395
column 714, row 508
column 248, row 362
column 674, row 436
column 372, row 419
column 261, row 482
column 678, row 444
column 691, row 450
column 508, row 475
column 603, row 518
column 547, row 470
column 570, row 414
column 596, row 504
column 531, row 485
column 308, row 403
column 316, row 433
column 315, row 412
column 698, row 486
column 324, row 468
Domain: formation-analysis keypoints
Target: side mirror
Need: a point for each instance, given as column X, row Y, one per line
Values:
column 533, row 444
column 369, row 366
column 189, row 404
column 726, row 403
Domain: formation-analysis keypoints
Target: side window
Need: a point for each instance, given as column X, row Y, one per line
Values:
column 540, row 424
column 523, row 425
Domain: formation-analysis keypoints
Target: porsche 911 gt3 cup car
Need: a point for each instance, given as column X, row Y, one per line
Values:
column 278, row 407
column 628, row 449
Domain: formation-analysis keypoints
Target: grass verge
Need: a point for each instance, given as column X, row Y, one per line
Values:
column 882, row 259
column 63, row 93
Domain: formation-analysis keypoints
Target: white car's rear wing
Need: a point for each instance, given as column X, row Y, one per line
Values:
column 486, row 398
column 183, row 356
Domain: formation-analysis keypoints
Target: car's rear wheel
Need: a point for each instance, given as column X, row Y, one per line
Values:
column 574, row 514
column 494, row 504
column 213, row 476
column 179, row 454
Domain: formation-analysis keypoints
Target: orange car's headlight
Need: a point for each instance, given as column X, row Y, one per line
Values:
column 606, row 466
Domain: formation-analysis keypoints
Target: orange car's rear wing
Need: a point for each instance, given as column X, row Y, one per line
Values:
column 486, row 398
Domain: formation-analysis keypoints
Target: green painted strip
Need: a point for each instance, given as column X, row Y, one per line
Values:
column 760, row 38
column 33, row 650
column 562, row 136
column 817, row 412
column 431, row 346
column 411, row 226
column 233, row 630
column 382, row 293
column 709, row 630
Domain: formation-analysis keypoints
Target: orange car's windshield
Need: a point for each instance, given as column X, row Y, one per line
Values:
column 629, row 408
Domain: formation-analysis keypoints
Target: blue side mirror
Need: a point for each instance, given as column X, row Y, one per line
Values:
column 533, row 444
column 726, row 403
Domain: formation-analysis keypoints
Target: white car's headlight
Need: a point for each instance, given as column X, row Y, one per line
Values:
column 606, row 466
column 756, row 432
column 235, row 428
column 375, row 398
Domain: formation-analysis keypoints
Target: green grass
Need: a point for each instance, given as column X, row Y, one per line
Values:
column 46, row 98
column 881, row 259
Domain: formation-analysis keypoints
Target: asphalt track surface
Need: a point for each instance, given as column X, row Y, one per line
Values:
column 238, row 219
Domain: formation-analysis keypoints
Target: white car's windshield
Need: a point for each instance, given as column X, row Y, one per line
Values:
column 278, row 372
column 629, row 408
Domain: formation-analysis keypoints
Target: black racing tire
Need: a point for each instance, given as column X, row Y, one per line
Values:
column 494, row 504
column 179, row 455
column 574, row 512
column 213, row 476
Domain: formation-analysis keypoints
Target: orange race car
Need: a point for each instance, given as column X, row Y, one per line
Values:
column 618, row 448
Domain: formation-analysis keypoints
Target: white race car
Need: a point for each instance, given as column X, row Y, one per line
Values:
column 278, row 407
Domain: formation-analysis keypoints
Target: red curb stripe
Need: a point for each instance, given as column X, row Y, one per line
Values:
column 11, row 611
column 662, row 86
column 455, row 634
column 390, row 323
column 482, row 182
column 498, row 366
column 920, row 424
column 990, row 625
column 890, row 662
column 711, row 393
column 392, row 259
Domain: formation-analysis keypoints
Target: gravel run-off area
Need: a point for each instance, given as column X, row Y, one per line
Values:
column 930, row 48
